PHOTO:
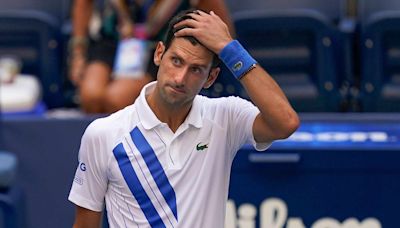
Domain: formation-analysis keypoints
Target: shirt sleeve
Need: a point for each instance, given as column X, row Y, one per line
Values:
column 90, row 182
column 242, row 114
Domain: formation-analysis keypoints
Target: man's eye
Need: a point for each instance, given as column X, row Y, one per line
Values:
column 176, row 61
column 196, row 70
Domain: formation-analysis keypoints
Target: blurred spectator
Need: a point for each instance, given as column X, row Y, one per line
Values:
column 92, row 52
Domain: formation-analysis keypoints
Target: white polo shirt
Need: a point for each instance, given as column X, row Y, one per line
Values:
column 149, row 176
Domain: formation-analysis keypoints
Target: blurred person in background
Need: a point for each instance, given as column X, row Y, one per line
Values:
column 96, row 45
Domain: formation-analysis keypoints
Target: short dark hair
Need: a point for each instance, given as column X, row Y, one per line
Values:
column 181, row 16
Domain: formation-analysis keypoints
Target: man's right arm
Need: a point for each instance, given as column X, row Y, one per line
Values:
column 89, row 186
column 85, row 218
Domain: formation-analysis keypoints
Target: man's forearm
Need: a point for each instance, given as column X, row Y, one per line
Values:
column 277, row 119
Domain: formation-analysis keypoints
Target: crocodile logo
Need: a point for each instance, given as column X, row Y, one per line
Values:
column 200, row 147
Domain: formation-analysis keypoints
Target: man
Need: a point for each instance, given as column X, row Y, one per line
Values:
column 165, row 160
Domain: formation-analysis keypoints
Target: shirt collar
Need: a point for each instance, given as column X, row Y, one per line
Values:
column 149, row 120
column 195, row 118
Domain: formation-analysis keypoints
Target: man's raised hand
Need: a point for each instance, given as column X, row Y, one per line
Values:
column 208, row 29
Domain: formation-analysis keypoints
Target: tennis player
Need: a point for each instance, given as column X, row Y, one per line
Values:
column 165, row 160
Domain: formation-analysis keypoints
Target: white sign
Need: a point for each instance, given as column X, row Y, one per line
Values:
column 274, row 214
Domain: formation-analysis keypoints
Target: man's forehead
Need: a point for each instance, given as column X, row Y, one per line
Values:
column 188, row 50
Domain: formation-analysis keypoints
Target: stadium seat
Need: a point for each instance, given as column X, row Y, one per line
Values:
column 33, row 37
column 366, row 9
column 57, row 9
column 380, row 62
column 297, row 47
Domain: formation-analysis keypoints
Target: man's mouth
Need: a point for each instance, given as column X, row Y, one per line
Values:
column 178, row 90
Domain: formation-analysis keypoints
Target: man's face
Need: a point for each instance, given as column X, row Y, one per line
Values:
column 184, row 69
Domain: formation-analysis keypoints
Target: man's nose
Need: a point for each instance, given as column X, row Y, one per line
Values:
column 180, row 76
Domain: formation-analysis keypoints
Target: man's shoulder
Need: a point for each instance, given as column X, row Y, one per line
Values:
column 220, row 101
column 112, row 123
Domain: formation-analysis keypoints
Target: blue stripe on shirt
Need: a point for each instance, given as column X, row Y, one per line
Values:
column 136, row 187
column 156, row 169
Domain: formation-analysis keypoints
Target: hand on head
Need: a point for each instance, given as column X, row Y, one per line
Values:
column 208, row 29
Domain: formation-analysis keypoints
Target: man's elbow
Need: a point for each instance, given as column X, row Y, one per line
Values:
column 289, row 126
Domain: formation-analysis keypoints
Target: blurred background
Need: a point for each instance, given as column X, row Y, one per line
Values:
column 338, row 62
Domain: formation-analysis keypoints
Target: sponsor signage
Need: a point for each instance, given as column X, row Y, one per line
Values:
column 357, row 136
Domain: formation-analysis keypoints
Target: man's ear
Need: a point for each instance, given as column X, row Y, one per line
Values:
column 158, row 53
column 214, row 72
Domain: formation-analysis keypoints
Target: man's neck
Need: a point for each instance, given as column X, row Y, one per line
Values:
column 173, row 116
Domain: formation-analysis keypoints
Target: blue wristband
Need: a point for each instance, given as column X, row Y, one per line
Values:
column 237, row 59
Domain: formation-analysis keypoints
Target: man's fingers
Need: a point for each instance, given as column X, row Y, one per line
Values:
column 199, row 15
column 186, row 23
column 200, row 12
column 195, row 15
column 213, row 14
column 185, row 32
